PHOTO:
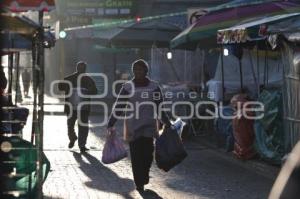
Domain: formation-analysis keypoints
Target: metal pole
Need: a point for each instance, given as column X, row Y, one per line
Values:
column 253, row 70
column 34, row 89
column 241, row 73
column 222, row 70
column 41, row 107
column 202, row 70
column 10, row 77
column 18, row 94
column 258, row 72
column 115, row 65
column 62, row 59
column 265, row 68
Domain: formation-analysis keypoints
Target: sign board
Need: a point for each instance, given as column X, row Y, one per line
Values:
column 78, row 12
column 98, row 8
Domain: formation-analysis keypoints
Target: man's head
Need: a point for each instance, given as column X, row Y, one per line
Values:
column 140, row 69
column 81, row 67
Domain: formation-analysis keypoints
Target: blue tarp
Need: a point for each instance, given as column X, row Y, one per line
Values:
column 269, row 134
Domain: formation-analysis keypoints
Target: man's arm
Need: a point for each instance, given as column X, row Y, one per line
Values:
column 63, row 86
column 119, row 107
column 91, row 86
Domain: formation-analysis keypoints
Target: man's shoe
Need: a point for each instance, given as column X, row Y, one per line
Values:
column 83, row 149
column 146, row 181
column 140, row 189
column 71, row 143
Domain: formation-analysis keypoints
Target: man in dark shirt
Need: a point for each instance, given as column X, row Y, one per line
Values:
column 74, row 99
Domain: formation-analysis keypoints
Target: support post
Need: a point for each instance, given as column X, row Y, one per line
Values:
column 222, row 70
column 40, row 133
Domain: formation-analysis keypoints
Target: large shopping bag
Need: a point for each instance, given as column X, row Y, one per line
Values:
column 113, row 150
column 169, row 150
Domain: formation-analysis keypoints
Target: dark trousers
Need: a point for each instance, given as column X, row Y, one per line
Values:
column 141, row 152
column 83, row 128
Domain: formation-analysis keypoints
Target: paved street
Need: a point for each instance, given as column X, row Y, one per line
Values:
column 204, row 174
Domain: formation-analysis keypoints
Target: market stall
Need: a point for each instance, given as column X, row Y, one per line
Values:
column 272, row 141
column 21, row 175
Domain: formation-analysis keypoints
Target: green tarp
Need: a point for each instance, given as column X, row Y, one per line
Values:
column 18, row 161
column 269, row 135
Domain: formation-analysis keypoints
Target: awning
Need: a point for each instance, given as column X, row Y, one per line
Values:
column 17, row 24
column 256, row 29
column 14, row 42
column 17, row 33
column 203, row 32
column 26, row 5
column 132, row 34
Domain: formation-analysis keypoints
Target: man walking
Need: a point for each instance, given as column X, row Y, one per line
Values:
column 78, row 89
column 141, row 128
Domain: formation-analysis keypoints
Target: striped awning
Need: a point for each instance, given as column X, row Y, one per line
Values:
column 203, row 32
column 254, row 30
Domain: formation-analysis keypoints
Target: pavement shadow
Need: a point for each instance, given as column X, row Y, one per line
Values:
column 150, row 194
column 103, row 178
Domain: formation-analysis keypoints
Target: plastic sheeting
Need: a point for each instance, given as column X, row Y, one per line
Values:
column 185, row 66
column 269, row 135
column 18, row 163
column 291, row 95
column 270, row 73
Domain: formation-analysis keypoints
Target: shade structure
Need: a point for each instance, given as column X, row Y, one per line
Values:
column 134, row 34
column 18, row 32
column 14, row 42
column 203, row 32
column 257, row 29
column 145, row 34
column 18, row 24
column 288, row 25
column 104, row 49
column 26, row 5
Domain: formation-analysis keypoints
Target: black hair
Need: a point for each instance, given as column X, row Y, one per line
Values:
column 140, row 62
column 81, row 66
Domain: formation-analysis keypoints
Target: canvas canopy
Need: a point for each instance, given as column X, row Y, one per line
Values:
column 253, row 30
column 203, row 32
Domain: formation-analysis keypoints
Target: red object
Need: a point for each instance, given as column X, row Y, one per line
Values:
column 263, row 30
column 138, row 19
column 243, row 130
column 243, row 133
column 26, row 5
